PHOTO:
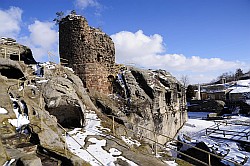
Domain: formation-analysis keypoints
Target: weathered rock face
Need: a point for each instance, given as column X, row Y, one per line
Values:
column 154, row 100
column 57, row 97
column 89, row 51
column 62, row 101
column 11, row 50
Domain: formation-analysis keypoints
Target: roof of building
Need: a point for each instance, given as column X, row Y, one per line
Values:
column 241, row 90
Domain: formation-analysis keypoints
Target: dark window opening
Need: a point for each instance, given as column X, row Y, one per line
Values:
column 99, row 58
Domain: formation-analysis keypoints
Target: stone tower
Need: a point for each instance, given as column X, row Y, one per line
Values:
column 87, row 50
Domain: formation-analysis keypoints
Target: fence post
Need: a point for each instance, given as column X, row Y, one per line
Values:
column 113, row 124
column 19, row 58
column 155, row 143
column 5, row 52
column 209, row 159
column 65, row 145
column 23, row 87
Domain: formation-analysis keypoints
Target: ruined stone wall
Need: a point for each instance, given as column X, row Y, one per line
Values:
column 89, row 51
column 94, row 76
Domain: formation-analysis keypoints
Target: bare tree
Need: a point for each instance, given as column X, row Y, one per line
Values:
column 184, row 80
column 59, row 16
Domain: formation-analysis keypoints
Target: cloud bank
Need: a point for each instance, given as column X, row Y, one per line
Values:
column 149, row 52
column 10, row 21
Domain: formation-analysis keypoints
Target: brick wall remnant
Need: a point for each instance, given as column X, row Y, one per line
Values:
column 89, row 51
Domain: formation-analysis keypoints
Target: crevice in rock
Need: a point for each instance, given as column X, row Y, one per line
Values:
column 143, row 83
column 164, row 82
column 168, row 98
column 127, row 91
column 44, row 151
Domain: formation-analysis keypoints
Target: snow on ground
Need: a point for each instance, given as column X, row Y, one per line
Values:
column 194, row 126
column 3, row 111
column 93, row 127
column 196, row 129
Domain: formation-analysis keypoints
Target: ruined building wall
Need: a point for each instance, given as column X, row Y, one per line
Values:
column 89, row 51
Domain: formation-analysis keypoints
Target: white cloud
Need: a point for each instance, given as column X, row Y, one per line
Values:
column 149, row 51
column 10, row 21
column 42, row 38
column 82, row 4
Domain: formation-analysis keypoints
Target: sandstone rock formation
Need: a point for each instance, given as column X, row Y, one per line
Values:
column 11, row 50
column 152, row 99
column 87, row 50
column 32, row 97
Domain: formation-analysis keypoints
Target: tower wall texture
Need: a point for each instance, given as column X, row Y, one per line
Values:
column 87, row 50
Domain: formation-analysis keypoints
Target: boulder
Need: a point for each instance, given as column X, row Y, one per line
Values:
column 29, row 160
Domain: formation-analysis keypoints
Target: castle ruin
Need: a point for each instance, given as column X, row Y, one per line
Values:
column 87, row 50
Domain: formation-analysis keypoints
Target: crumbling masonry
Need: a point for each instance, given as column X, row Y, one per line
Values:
column 87, row 50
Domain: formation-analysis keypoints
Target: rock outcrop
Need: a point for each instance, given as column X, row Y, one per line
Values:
column 152, row 99
column 10, row 49
column 45, row 102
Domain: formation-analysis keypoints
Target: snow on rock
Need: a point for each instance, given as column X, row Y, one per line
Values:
column 70, row 69
column 115, row 152
column 8, row 163
column 171, row 163
column 20, row 121
column 42, row 81
column 130, row 141
column 3, row 111
column 102, row 157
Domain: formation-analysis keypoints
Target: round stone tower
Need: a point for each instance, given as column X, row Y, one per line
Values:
column 87, row 50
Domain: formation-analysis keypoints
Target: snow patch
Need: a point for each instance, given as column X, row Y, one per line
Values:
column 8, row 163
column 93, row 127
column 3, row 111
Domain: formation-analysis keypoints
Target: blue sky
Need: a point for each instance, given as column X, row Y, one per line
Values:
column 198, row 38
